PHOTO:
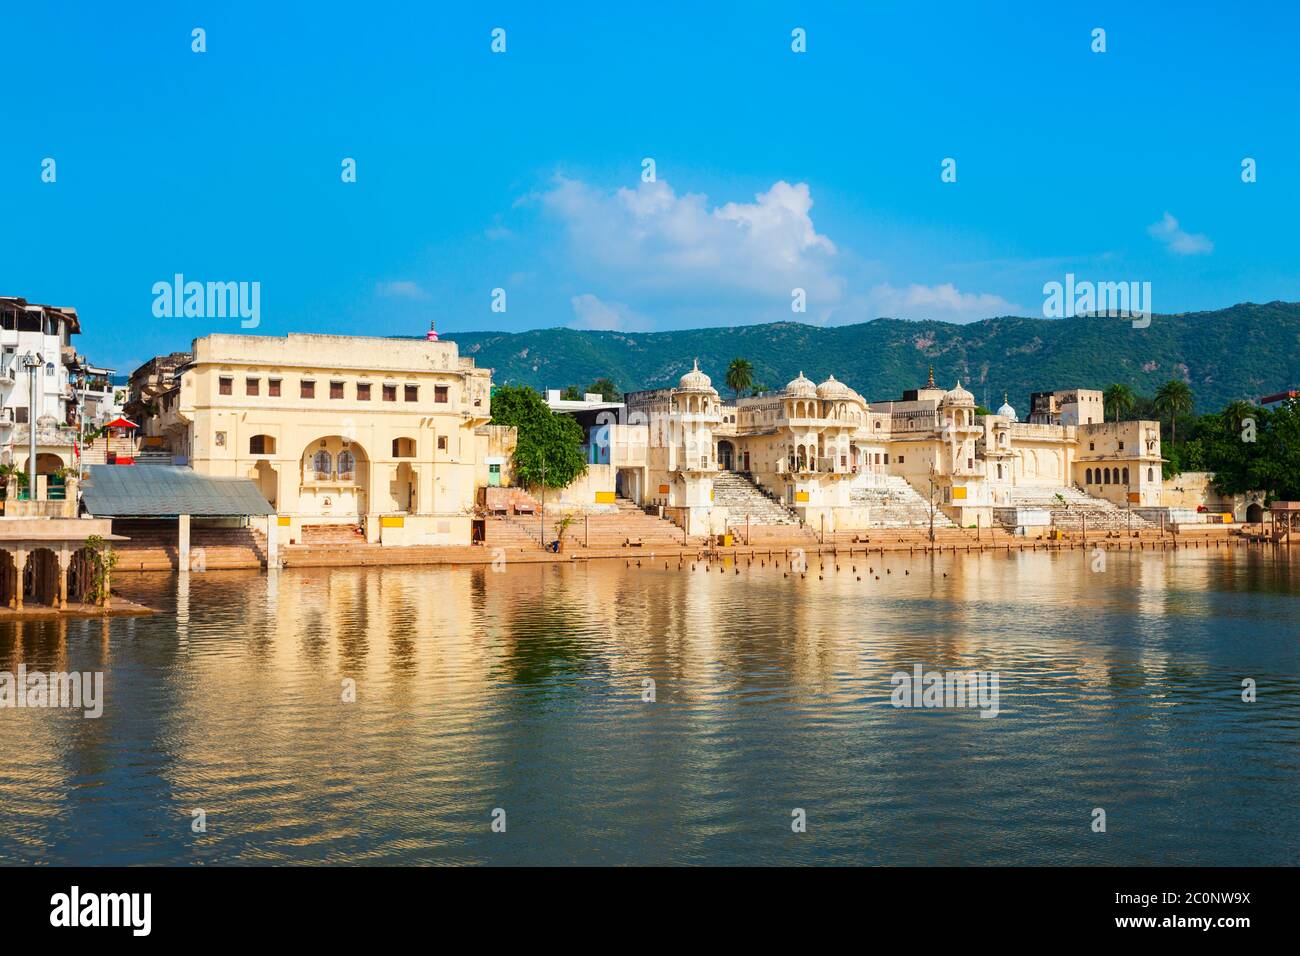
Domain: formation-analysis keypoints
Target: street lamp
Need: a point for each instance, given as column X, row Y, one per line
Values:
column 31, row 362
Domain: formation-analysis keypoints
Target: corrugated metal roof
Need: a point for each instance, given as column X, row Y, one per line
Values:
column 159, row 491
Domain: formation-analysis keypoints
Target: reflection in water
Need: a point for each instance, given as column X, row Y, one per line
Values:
column 522, row 690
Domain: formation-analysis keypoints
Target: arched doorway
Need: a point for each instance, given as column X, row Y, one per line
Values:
column 268, row 482
column 405, row 483
column 1254, row 513
column 335, row 478
column 726, row 455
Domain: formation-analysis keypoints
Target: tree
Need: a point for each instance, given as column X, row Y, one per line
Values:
column 1118, row 400
column 1174, row 398
column 549, row 443
column 740, row 375
column 606, row 389
column 571, row 394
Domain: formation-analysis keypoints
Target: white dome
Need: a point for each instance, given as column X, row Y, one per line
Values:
column 801, row 387
column 958, row 396
column 695, row 380
column 831, row 390
column 1006, row 411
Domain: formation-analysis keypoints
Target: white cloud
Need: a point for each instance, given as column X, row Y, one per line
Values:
column 400, row 289
column 592, row 313
column 1179, row 241
column 652, row 239
column 944, row 302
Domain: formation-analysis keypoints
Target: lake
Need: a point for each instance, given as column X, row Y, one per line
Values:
column 524, row 691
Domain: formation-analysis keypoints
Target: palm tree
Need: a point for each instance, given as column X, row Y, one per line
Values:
column 1174, row 398
column 740, row 375
column 1119, row 398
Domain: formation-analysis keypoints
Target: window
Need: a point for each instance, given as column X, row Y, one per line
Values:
column 273, row 387
column 442, row 443
column 390, row 393
column 1121, row 446
column 403, row 447
column 1087, row 477
column 410, row 393
column 336, row 389
column 224, row 385
column 252, row 385
column 1126, row 476
column 363, row 391
column 261, row 445
column 1092, row 446
column 322, row 464
column 20, row 414
column 440, row 394
column 307, row 389
column 1151, row 474
column 347, row 465
column 900, row 459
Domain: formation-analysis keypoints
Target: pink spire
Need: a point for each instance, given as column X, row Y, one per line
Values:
column 432, row 334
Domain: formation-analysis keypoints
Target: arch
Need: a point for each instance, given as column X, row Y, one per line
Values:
column 405, row 488
column 47, row 463
column 268, row 481
column 726, row 455
column 40, row 582
column 1254, row 513
column 1126, row 476
column 1151, row 474
column 1088, row 477
column 335, row 491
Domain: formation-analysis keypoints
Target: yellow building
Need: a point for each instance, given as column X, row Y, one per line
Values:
column 386, row 434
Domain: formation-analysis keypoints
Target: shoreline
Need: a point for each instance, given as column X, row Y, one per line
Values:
column 326, row 556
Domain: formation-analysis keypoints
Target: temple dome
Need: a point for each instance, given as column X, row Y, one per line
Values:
column 1006, row 411
column 832, row 390
column 801, row 387
column 958, row 396
column 695, row 380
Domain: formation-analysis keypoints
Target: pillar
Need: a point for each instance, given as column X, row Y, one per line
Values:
column 20, row 564
column 183, row 546
column 65, row 558
column 272, row 542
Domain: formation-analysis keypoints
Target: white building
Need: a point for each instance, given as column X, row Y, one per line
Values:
column 39, row 330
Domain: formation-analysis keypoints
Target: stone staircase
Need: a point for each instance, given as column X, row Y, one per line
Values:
column 898, row 505
column 331, row 534
column 741, row 497
column 513, row 532
column 1101, row 515
column 628, row 522
column 154, row 546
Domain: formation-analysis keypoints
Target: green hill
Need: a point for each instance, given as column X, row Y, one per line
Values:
column 1242, row 352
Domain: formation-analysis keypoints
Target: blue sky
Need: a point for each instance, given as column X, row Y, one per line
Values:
column 523, row 170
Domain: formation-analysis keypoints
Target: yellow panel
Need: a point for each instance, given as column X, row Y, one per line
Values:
column 284, row 521
column 959, row 493
column 801, row 496
column 392, row 521
column 604, row 497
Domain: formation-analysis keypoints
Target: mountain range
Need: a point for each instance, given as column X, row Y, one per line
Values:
column 1242, row 352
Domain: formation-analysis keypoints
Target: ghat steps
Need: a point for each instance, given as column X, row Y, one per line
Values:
column 898, row 505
